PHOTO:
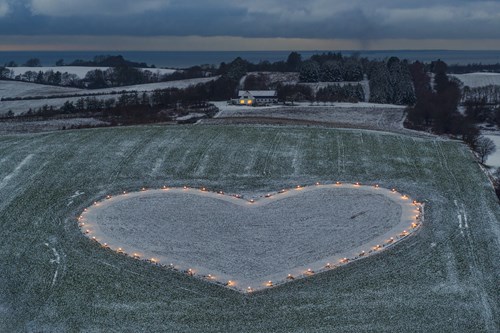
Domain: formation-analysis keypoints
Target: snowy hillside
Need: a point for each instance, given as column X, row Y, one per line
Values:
column 14, row 89
column 478, row 79
column 22, row 89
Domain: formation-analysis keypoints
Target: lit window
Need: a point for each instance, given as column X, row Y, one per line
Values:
column 242, row 101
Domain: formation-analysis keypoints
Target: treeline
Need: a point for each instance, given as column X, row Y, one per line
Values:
column 98, row 79
column 105, row 61
column 472, row 68
column 331, row 67
column 98, row 61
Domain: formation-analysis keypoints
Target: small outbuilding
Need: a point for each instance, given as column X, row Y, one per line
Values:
column 256, row 97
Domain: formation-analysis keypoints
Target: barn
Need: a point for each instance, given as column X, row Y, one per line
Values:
column 257, row 97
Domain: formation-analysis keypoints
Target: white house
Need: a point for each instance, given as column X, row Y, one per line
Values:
column 256, row 97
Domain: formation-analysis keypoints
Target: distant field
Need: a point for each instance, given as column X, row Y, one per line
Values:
column 474, row 80
column 446, row 278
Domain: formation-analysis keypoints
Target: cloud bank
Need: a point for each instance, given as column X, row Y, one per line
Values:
column 362, row 20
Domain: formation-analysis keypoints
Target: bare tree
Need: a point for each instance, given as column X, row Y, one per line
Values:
column 484, row 148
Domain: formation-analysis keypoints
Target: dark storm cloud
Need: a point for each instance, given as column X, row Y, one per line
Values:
column 354, row 19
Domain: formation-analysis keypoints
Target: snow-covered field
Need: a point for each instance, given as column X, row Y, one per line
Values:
column 366, row 115
column 232, row 239
column 445, row 278
column 79, row 71
column 478, row 79
column 35, row 126
column 15, row 89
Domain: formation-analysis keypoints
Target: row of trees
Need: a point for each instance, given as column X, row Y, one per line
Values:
column 96, row 79
column 337, row 93
column 98, row 61
column 489, row 94
column 331, row 71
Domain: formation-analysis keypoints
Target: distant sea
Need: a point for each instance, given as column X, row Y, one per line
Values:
column 183, row 59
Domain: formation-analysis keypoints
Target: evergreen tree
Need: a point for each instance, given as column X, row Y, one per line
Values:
column 332, row 71
column 293, row 61
column 380, row 86
column 353, row 70
column 309, row 71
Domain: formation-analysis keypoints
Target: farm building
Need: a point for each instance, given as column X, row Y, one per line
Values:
column 256, row 97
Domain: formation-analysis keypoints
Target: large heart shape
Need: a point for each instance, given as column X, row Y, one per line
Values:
column 276, row 238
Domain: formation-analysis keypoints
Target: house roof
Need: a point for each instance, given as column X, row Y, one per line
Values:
column 257, row 93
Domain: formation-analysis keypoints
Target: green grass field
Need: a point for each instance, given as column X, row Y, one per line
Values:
column 446, row 278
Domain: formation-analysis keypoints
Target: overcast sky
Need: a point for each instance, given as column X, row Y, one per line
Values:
column 257, row 24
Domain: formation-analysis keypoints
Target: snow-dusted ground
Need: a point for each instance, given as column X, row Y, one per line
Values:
column 80, row 71
column 445, row 278
column 11, row 127
column 365, row 115
column 252, row 243
column 15, row 89
column 478, row 79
